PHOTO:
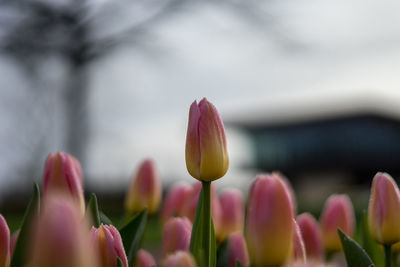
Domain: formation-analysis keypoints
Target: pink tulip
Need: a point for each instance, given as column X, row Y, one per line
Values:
column 269, row 226
column 144, row 259
column 60, row 236
column 312, row 236
column 176, row 235
column 4, row 243
column 180, row 259
column 63, row 175
column 13, row 241
column 206, row 152
column 384, row 209
column 299, row 250
column 108, row 243
column 237, row 250
column 289, row 186
column 175, row 201
column 232, row 213
column 145, row 189
column 338, row 213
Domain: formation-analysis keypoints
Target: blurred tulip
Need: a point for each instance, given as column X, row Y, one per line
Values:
column 108, row 244
column 63, row 175
column 206, row 152
column 180, row 259
column 384, row 209
column 299, row 250
column 269, row 225
column 176, row 235
column 175, row 201
column 144, row 259
column 60, row 236
column 338, row 213
column 237, row 250
column 13, row 241
column 289, row 186
column 4, row 243
column 145, row 189
column 312, row 236
column 232, row 213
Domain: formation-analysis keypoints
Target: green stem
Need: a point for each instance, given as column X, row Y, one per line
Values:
column 388, row 255
column 207, row 222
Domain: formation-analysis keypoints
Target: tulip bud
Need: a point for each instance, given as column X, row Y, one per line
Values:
column 232, row 213
column 312, row 236
column 269, row 226
column 289, row 186
column 4, row 243
column 299, row 250
column 144, row 259
column 175, row 201
column 13, row 242
column 145, row 189
column 176, row 235
column 180, row 259
column 60, row 236
column 206, row 153
column 63, row 175
column 338, row 213
column 108, row 244
column 384, row 209
column 237, row 250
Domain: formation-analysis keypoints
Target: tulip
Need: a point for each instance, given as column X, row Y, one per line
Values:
column 338, row 213
column 384, row 210
column 176, row 235
column 145, row 189
column 232, row 213
column 63, row 175
column 237, row 250
column 206, row 152
column 144, row 259
column 108, row 244
column 299, row 250
column 289, row 186
column 312, row 236
column 4, row 243
column 269, row 226
column 175, row 201
column 180, row 259
column 60, row 236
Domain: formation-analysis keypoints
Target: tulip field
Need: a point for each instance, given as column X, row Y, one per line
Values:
column 199, row 226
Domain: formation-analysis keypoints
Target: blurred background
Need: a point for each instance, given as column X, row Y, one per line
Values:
column 309, row 88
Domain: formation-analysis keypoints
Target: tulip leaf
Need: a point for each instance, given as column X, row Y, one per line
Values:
column 238, row 263
column 222, row 254
column 119, row 262
column 104, row 219
column 369, row 244
column 213, row 252
column 92, row 211
column 355, row 254
column 132, row 233
column 21, row 247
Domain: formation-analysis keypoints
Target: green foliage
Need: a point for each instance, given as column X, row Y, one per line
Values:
column 369, row 244
column 104, row 219
column 132, row 233
column 355, row 254
column 21, row 247
column 238, row 263
column 92, row 211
